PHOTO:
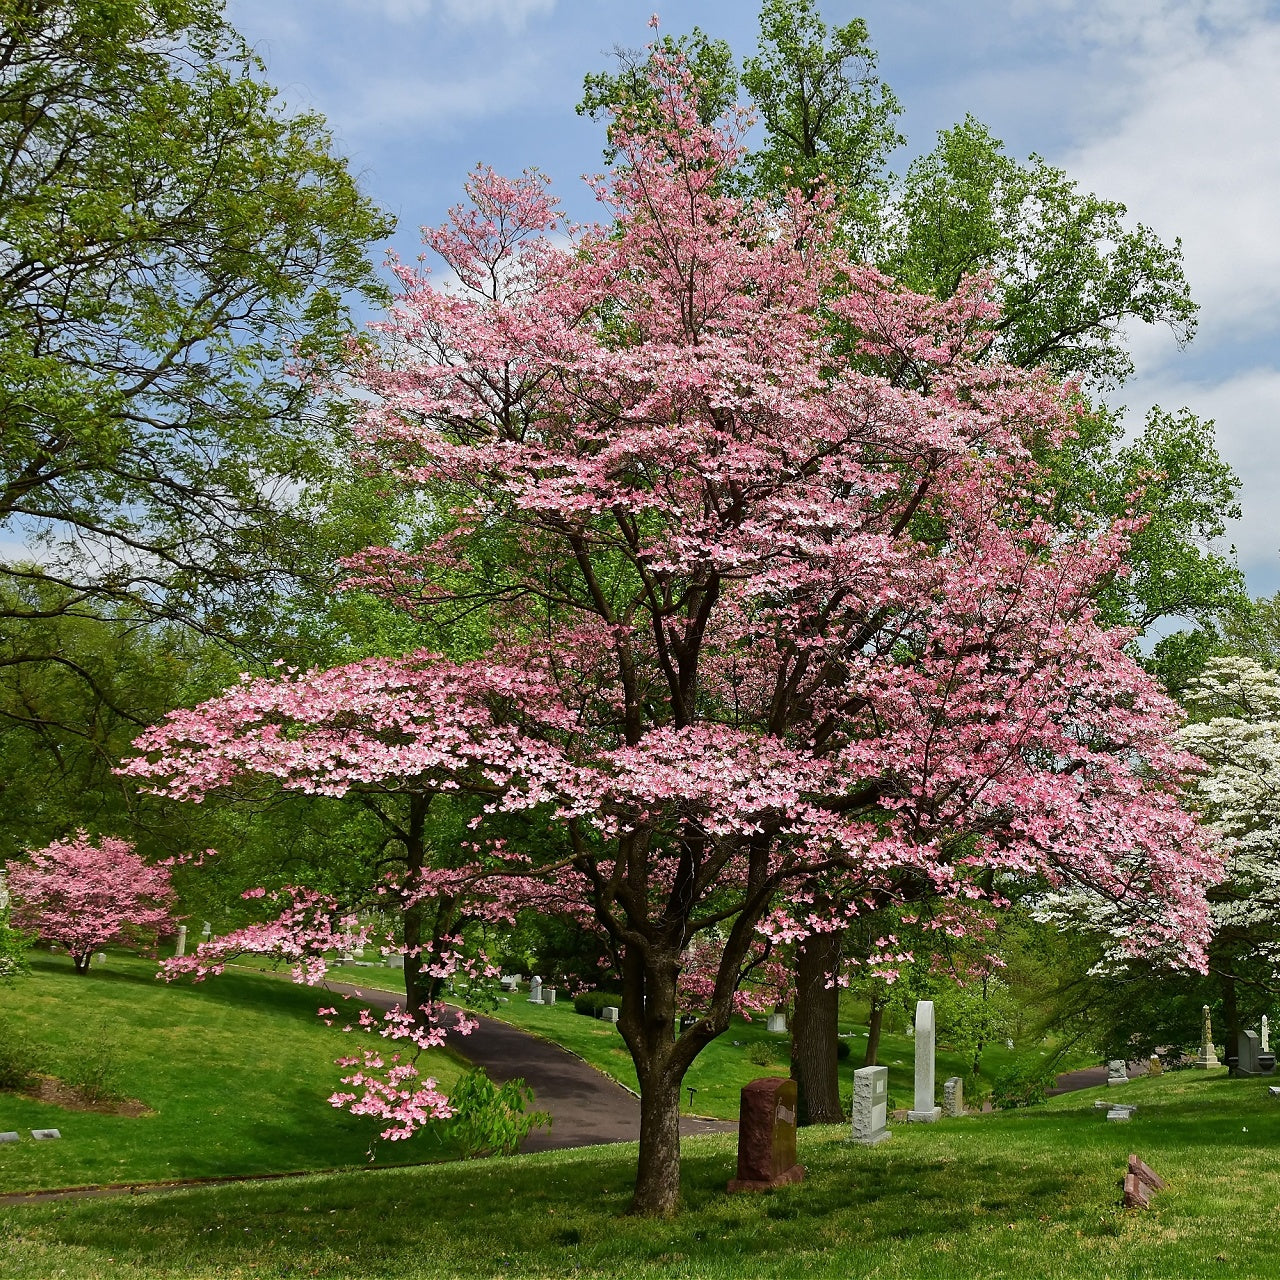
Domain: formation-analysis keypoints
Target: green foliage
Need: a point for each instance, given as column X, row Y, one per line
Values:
column 491, row 1119
column 175, row 240
column 710, row 62
column 762, row 1053
column 592, row 1003
column 1067, row 268
column 828, row 118
column 20, row 1058
column 1024, row 1085
column 13, row 945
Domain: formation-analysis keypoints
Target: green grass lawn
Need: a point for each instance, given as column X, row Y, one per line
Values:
column 235, row 1071
column 1024, row 1194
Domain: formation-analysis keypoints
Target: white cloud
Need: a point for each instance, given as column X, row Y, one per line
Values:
column 1246, row 408
column 1193, row 152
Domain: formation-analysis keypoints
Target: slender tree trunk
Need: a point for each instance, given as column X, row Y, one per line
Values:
column 82, row 962
column 875, row 1019
column 657, row 1190
column 647, row 1024
column 816, row 1028
column 419, row 988
column 1231, row 1015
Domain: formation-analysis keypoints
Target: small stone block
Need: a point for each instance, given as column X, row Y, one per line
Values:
column 1119, row 1113
column 1137, row 1195
column 925, row 1117
column 767, row 1136
column 1145, row 1173
column 777, row 1023
column 609, row 1013
column 11, row 1136
column 870, row 1106
column 45, row 1135
column 1274, row 1090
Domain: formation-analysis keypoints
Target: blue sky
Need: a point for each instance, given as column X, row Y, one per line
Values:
column 1172, row 106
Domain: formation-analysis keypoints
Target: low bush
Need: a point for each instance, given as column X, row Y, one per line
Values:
column 491, row 1119
column 762, row 1053
column 1022, row 1085
column 92, row 1063
column 593, row 1003
column 19, row 1059
column 843, row 1049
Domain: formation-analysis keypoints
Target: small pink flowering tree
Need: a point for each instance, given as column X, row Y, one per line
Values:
column 84, row 895
column 763, row 617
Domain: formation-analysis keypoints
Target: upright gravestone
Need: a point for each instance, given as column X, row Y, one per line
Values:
column 1208, row 1056
column 925, row 1111
column 99, row 959
column 871, row 1105
column 953, row 1096
column 206, row 931
column 548, row 995
column 1266, row 1034
column 395, row 960
column 1117, row 1072
column 1156, row 1067
column 535, row 990
column 767, row 1136
column 609, row 1013
column 1247, row 1054
column 180, row 946
column 776, row 1022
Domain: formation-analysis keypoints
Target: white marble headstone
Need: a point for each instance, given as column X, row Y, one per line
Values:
column 871, row 1105
column 926, row 1111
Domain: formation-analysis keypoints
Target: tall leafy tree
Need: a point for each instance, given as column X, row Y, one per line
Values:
column 173, row 242
column 725, row 664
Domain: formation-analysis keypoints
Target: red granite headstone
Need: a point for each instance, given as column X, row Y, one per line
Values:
column 767, row 1136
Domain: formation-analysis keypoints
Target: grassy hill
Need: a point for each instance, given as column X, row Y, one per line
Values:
column 233, row 1074
column 1026, row 1194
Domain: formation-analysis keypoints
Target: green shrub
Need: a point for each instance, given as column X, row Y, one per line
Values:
column 92, row 1063
column 843, row 1049
column 761, row 1053
column 491, row 1119
column 1022, row 1085
column 19, row 1059
column 593, row 1003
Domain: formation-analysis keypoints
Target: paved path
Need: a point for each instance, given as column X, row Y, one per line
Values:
column 586, row 1107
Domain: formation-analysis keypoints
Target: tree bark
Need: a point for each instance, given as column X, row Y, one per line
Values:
column 875, row 1019
column 816, row 1028
column 657, row 1190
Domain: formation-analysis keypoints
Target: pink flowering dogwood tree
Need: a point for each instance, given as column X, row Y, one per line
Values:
column 763, row 617
column 83, row 895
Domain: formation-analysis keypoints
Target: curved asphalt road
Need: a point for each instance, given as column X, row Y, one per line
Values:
column 586, row 1107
